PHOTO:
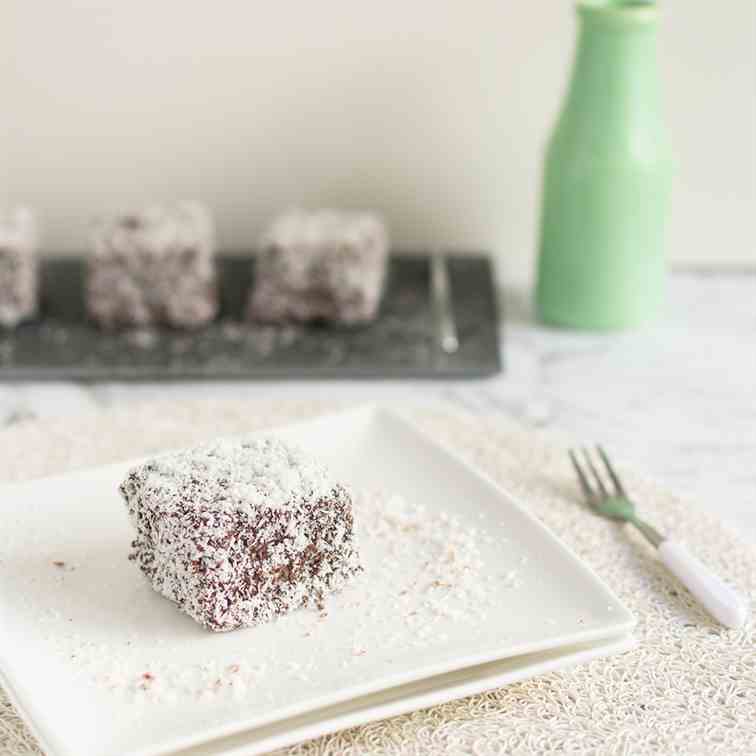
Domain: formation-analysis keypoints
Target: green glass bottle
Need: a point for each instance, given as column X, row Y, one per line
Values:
column 606, row 178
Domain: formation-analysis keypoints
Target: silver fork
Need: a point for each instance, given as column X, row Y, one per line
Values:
column 610, row 500
column 441, row 292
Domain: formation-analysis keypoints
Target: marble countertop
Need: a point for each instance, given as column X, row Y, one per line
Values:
column 677, row 400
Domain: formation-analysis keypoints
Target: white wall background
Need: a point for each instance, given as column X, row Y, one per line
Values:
column 433, row 112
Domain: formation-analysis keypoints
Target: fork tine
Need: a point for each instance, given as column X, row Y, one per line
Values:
column 584, row 484
column 618, row 487
column 594, row 472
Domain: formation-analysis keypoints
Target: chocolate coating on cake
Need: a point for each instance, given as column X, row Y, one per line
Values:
column 19, row 269
column 320, row 266
column 154, row 268
column 238, row 532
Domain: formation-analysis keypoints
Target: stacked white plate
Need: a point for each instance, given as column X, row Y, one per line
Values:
column 463, row 591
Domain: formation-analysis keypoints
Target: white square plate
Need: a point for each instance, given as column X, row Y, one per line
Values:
column 463, row 591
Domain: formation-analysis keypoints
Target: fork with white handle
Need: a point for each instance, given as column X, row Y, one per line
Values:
column 721, row 601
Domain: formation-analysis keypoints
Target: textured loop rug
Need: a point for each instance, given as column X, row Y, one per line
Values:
column 689, row 687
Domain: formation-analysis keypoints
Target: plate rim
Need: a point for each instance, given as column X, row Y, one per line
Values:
column 574, row 655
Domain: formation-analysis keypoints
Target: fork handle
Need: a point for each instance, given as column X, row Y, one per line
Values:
column 721, row 601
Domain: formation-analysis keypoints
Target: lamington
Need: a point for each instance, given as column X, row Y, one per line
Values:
column 322, row 265
column 19, row 269
column 239, row 532
column 156, row 267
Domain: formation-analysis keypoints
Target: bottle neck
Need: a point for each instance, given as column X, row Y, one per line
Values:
column 610, row 54
column 615, row 81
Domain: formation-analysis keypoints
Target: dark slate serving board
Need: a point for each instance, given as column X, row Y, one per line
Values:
column 402, row 343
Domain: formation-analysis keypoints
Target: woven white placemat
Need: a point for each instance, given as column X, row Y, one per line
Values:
column 690, row 686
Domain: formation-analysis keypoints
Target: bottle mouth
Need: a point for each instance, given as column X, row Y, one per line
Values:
column 618, row 13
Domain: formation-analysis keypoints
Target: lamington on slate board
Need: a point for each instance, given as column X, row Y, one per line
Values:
column 19, row 270
column 323, row 265
column 238, row 532
column 156, row 267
